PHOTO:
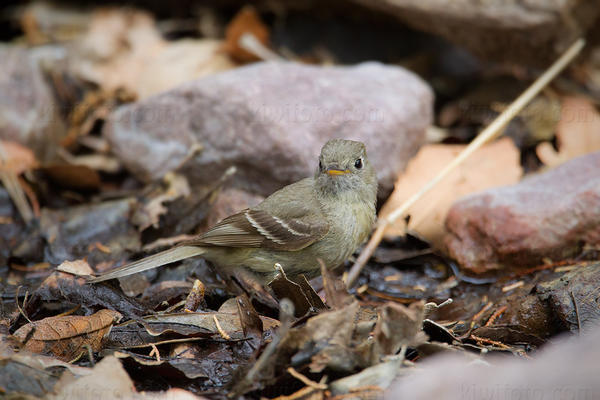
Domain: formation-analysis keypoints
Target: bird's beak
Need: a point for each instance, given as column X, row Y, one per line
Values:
column 337, row 171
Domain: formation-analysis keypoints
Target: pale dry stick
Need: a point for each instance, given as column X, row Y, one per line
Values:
column 305, row 380
column 491, row 131
column 11, row 183
column 251, row 44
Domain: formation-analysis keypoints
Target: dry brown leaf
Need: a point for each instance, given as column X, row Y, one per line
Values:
column 116, row 48
column 495, row 164
column 123, row 49
column 149, row 214
column 77, row 267
column 107, row 379
column 246, row 21
column 48, row 22
column 577, row 132
column 398, row 326
column 195, row 298
column 77, row 177
column 16, row 158
column 229, row 322
column 336, row 294
column 181, row 61
column 302, row 296
column 65, row 337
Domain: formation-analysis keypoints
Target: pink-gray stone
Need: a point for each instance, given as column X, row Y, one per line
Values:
column 28, row 111
column 550, row 215
column 271, row 119
column 532, row 32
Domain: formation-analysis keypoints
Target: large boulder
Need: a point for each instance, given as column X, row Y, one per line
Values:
column 270, row 120
column 29, row 114
column 526, row 31
column 551, row 215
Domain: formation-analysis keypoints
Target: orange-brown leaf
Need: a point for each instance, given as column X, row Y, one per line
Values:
column 247, row 21
column 17, row 158
column 65, row 337
column 495, row 164
column 577, row 133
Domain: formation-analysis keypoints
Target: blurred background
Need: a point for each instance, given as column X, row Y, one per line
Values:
column 128, row 127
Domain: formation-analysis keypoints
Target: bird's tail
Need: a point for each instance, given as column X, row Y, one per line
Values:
column 153, row 261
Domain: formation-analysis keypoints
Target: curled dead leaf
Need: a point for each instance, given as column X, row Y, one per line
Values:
column 65, row 337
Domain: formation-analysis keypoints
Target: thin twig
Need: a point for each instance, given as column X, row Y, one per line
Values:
column 21, row 311
column 489, row 341
column 154, row 352
column 495, row 315
column 223, row 334
column 579, row 330
column 478, row 316
column 15, row 191
column 490, row 132
column 305, row 380
column 90, row 354
column 512, row 286
column 11, row 183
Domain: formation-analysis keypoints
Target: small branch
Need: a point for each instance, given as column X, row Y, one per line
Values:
column 490, row 132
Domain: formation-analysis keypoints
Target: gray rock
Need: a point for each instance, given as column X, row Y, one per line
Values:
column 28, row 111
column 98, row 232
column 553, row 215
column 527, row 31
column 11, row 228
column 565, row 369
column 271, row 119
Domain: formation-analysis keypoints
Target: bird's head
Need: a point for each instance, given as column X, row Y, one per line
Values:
column 344, row 168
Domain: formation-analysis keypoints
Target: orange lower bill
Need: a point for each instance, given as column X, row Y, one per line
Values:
column 338, row 172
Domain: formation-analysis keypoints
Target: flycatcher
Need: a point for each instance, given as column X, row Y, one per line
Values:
column 324, row 217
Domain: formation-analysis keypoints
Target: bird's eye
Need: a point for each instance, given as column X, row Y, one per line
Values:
column 358, row 163
column 320, row 165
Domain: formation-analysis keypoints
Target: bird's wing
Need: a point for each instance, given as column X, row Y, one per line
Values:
column 259, row 228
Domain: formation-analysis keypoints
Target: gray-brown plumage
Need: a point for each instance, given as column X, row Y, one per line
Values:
column 327, row 216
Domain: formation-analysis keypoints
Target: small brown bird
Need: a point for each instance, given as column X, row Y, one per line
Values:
column 324, row 217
